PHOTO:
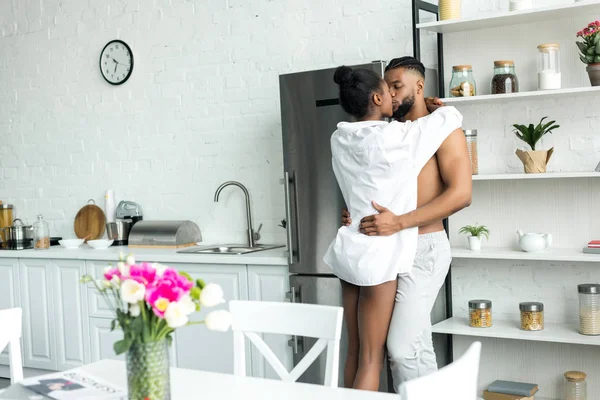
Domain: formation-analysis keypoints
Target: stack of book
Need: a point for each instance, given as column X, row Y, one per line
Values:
column 593, row 247
column 507, row 390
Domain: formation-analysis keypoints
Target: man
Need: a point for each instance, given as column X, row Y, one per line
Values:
column 444, row 187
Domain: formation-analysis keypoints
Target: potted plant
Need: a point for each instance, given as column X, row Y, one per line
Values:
column 475, row 233
column 533, row 160
column 589, row 49
column 149, row 302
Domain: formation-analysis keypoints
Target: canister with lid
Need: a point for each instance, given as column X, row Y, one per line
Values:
column 480, row 313
column 471, row 136
column 575, row 385
column 6, row 218
column 589, row 308
column 41, row 234
column 532, row 316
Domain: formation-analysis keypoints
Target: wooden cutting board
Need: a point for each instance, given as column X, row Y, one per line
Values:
column 90, row 220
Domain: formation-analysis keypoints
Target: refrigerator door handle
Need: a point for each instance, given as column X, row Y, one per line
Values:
column 295, row 342
column 288, row 215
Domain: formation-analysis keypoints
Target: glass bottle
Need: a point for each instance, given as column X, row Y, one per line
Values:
column 505, row 78
column 575, row 385
column 589, row 308
column 41, row 233
column 549, row 77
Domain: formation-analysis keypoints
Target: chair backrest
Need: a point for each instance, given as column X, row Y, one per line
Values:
column 10, row 334
column 250, row 318
column 457, row 381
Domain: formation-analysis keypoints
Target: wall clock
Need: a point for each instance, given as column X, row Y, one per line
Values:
column 116, row 62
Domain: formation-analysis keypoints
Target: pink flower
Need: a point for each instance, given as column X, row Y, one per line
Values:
column 143, row 273
column 168, row 288
column 108, row 275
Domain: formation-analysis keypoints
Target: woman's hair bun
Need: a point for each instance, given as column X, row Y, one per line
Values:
column 343, row 75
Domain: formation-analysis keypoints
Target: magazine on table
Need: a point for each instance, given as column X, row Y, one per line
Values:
column 74, row 384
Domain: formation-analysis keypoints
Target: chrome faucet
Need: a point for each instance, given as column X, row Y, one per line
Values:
column 252, row 236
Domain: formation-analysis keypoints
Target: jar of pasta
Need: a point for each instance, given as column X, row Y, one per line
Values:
column 480, row 313
column 532, row 316
column 471, row 136
column 589, row 308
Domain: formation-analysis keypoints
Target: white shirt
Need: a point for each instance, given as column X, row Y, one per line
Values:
column 380, row 161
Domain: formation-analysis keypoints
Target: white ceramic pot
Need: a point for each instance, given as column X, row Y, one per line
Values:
column 518, row 5
column 475, row 243
column 534, row 242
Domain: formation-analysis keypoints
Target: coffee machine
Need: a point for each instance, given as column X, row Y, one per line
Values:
column 128, row 213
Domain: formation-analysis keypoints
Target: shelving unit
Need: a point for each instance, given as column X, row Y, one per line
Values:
column 555, row 333
column 552, row 254
column 490, row 98
column 547, row 175
column 453, row 326
column 513, row 18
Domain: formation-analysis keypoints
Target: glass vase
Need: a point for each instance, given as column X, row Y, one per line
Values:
column 148, row 371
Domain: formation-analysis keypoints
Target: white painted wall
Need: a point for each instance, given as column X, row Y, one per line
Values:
column 201, row 107
column 566, row 208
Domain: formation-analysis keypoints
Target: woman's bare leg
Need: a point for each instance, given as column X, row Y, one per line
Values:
column 375, row 306
column 350, row 295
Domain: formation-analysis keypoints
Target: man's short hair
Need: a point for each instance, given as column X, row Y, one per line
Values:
column 409, row 63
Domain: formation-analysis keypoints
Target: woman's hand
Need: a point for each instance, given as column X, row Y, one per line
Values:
column 385, row 223
column 433, row 103
column 346, row 220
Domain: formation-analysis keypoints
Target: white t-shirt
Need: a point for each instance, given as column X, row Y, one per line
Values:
column 380, row 161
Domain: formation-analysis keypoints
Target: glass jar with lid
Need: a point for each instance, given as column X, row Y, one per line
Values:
column 589, row 308
column 575, row 385
column 41, row 234
column 549, row 76
column 480, row 313
column 505, row 77
column 462, row 83
column 532, row 316
column 471, row 136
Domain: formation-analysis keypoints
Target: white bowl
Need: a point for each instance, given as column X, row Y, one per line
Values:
column 70, row 243
column 100, row 244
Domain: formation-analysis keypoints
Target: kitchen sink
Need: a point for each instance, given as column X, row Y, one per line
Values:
column 229, row 249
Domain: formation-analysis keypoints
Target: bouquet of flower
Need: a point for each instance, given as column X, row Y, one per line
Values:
column 152, row 300
column 590, row 46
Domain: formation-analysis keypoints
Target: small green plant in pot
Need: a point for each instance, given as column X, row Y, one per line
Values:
column 475, row 233
column 589, row 50
column 534, row 161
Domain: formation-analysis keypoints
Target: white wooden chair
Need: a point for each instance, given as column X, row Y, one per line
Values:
column 250, row 318
column 456, row 381
column 10, row 335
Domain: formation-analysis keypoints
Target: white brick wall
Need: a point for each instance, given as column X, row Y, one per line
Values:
column 201, row 107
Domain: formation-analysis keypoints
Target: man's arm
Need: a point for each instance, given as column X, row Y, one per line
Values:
column 455, row 169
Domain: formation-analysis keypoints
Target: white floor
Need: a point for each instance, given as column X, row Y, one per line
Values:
column 4, row 383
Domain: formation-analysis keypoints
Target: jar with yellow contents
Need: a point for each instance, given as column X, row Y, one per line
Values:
column 480, row 313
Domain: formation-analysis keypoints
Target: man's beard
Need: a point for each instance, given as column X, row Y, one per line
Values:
column 404, row 108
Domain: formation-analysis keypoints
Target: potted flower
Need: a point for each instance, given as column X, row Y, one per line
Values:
column 475, row 233
column 589, row 49
column 150, row 301
column 534, row 161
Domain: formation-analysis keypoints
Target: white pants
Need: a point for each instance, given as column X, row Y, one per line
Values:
column 409, row 342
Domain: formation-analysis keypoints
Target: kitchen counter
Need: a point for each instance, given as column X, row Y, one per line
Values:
column 85, row 252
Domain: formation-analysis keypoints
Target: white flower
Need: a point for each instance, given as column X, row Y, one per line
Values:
column 123, row 268
column 218, row 320
column 116, row 282
column 132, row 291
column 130, row 260
column 188, row 305
column 106, row 284
column 175, row 314
column 134, row 310
column 160, row 268
column 211, row 295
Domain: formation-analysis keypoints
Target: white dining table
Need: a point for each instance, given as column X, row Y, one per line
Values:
column 188, row 384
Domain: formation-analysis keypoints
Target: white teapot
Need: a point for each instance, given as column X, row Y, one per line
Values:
column 532, row 242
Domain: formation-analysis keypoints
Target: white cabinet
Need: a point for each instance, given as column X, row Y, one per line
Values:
column 38, row 314
column 197, row 347
column 102, row 340
column 72, row 335
column 9, row 291
column 269, row 283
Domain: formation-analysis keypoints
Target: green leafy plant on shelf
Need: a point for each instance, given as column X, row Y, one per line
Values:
column 534, row 161
column 476, row 230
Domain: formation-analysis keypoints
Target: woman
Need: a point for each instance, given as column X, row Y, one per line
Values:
column 374, row 159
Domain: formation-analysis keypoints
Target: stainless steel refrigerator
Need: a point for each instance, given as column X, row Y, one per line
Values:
column 310, row 111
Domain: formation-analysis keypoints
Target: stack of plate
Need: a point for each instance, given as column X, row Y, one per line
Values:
column 517, row 5
column 449, row 9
